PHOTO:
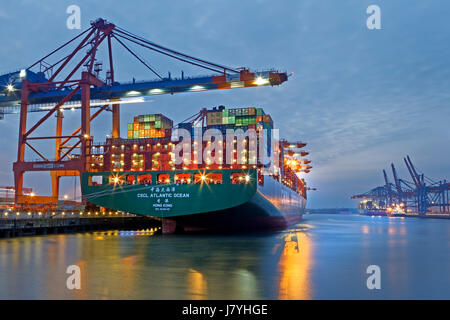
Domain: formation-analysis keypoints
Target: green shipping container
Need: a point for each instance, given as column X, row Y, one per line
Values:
column 158, row 124
column 130, row 127
column 225, row 113
column 259, row 111
column 231, row 120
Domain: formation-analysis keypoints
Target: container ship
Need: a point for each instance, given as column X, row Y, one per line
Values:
column 230, row 184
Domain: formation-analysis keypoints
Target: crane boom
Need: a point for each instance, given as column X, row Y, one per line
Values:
column 413, row 169
column 138, row 91
column 48, row 90
column 388, row 187
column 397, row 183
column 411, row 173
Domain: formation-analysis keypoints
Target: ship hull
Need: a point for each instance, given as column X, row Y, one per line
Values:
column 272, row 207
column 380, row 213
column 205, row 207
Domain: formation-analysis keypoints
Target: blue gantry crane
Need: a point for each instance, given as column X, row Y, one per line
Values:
column 422, row 196
column 71, row 78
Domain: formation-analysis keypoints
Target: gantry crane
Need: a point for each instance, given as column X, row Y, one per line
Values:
column 421, row 196
column 60, row 80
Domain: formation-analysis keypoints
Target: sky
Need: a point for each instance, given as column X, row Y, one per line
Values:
column 360, row 98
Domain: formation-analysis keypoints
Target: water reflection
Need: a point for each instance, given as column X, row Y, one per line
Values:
column 197, row 285
column 295, row 265
column 120, row 266
column 323, row 257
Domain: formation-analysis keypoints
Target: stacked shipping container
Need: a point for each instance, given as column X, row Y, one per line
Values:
column 238, row 117
column 244, row 119
column 150, row 126
column 149, row 145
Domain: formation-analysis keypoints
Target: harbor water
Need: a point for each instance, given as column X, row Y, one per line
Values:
column 324, row 257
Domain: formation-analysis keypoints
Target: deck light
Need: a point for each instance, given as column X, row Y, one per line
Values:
column 261, row 81
column 133, row 93
column 156, row 91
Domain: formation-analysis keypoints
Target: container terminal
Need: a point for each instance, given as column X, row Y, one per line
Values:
column 76, row 81
column 418, row 197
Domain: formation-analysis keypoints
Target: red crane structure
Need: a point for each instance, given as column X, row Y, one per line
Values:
column 73, row 81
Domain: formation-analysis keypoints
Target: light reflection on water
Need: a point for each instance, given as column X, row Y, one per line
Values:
column 326, row 256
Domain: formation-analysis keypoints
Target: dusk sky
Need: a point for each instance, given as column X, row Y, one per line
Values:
column 360, row 98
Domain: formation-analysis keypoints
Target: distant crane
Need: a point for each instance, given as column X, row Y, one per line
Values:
column 397, row 184
column 422, row 196
column 388, row 187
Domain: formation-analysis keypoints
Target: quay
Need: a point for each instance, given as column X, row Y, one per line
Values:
column 16, row 224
